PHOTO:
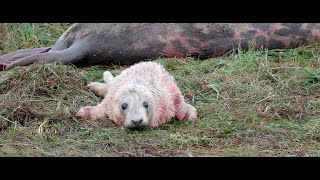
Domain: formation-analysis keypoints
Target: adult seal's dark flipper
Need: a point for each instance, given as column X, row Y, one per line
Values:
column 67, row 56
column 9, row 58
column 128, row 43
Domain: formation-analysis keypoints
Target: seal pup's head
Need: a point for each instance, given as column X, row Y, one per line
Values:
column 133, row 106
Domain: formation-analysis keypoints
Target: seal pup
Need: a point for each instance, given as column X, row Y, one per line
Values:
column 142, row 96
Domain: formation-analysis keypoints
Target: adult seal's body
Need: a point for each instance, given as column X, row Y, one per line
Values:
column 128, row 43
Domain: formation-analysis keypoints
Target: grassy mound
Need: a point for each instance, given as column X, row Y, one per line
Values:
column 41, row 92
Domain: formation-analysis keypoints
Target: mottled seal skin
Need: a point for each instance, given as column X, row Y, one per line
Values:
column 128, row 43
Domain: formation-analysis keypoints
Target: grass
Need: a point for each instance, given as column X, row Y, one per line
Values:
column 254, row 103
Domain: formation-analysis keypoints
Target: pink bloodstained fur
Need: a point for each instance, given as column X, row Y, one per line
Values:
column 153, row 83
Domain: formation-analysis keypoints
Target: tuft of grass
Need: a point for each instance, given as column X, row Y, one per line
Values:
column 15, row 36
column 313, row 78
column 253, row 103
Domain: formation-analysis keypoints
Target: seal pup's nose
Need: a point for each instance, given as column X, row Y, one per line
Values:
column 137, row 122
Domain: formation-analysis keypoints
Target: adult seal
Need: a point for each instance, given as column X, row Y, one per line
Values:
column 128, row 43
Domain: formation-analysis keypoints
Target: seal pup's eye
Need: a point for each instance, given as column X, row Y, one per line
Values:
column 124, row 106
column 145, row 104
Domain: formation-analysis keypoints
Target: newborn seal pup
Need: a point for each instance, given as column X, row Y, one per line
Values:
column 142, row 96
